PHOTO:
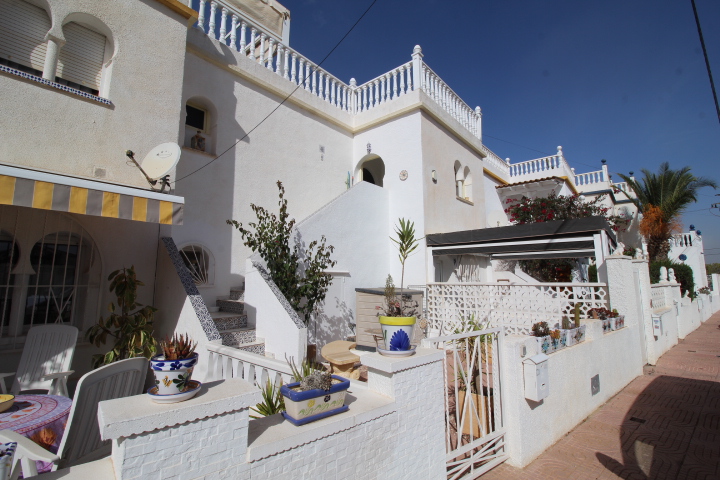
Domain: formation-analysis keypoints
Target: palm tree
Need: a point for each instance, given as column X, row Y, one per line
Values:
column 662, row 198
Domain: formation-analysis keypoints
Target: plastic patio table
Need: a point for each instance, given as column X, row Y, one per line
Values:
column 41, row 418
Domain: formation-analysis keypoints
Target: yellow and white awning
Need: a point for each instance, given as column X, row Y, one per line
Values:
column 30, row 188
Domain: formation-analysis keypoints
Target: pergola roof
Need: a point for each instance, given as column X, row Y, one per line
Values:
column 556, row 239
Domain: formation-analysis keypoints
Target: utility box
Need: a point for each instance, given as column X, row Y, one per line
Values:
column 535, row 372
column 657, row 325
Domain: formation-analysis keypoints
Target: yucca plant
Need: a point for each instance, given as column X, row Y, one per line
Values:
column 132, row 329
column 273, row 401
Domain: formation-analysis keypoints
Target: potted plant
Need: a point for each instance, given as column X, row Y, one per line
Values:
column 617, row 320
column 132, row 330
column 313, row 395
column 557, row 339
column 173, row 368
column 399, row 313
column 573, row 331
column 541, row 331
column 612, row 320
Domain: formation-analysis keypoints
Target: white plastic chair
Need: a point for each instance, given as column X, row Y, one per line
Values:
column 81, row 441
column 45, row 361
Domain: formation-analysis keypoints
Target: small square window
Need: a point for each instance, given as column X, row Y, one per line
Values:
column 195, row 117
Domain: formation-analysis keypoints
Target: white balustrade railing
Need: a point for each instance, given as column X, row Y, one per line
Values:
column 515, row 307
column 497, row 163
column 438, row 90
column 228, row 362
column 222, row 22
column 388, row 86
column 553, row 165
column 590, row 177
column 685, row 240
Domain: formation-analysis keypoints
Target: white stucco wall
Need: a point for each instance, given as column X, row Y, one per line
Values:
column 285, row 147
column 356, row 224
column 494, row 207
column 65, row 133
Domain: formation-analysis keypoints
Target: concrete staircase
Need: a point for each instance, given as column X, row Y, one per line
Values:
column 232, row 323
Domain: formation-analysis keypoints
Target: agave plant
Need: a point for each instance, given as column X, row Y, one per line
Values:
column 178, row 347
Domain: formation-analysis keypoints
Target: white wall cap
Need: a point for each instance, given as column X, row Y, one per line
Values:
column 123, row 417
column 536, row 359
column 271, row 435
column 422, row 356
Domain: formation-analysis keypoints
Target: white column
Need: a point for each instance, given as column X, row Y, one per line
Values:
column 301, row 72
column 252, row 43
column 417, row 62
column 478, row 123
column 261, row 58
column 293, row 72
column 233, row 31
column 286, row 64
column 51, row 58
column 271, row 43
column 243, row 26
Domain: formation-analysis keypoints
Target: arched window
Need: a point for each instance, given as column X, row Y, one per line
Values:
column 9, row 256
column 467, row 184
column 23, row 27
column 459, row 179
column 200, row 125
column 56, row 292
column 80, row 61
column 200, row 263
column 371, row 169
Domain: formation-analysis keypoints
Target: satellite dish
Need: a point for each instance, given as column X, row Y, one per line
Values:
column 158, row 163
column 161, row 160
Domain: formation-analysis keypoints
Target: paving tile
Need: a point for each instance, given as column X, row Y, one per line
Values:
column 665, row 425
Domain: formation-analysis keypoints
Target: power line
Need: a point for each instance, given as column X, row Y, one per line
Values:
column 707, row 62
column 300, row 84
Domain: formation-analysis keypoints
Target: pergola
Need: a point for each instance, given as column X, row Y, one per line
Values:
column 576, row 238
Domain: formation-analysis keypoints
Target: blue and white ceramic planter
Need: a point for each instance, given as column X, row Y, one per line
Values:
column 306, row 407
column 573, row 336
column 397, row 332
column 172, row 376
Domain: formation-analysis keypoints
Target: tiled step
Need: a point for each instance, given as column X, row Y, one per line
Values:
column 229, row 321
column 230, row 306
column 254, row 347
column 237, row 336
column 237, row 293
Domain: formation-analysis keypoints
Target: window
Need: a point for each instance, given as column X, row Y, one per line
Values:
column 199, row 262
column 45, row 278
column 195, row 117
column 463, row 182
column 22, row 36
column 80, row 60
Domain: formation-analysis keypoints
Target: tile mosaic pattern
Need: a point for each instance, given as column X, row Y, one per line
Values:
column 237, row 337
column 237, row 294
column 230, row 323
column 230, row 306
column 663, row 425
column 191, row 290
column 258, row 348
column 58, row 86
column 278, row 294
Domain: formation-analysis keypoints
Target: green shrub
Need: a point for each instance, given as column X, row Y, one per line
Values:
column 592, row 274
column 683, row 274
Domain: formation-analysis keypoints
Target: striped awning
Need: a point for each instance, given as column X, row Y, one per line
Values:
column 47, row 191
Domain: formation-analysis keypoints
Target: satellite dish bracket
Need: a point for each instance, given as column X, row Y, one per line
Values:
column 131, row 155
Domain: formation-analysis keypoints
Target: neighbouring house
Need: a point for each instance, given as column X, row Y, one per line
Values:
column 85, row 83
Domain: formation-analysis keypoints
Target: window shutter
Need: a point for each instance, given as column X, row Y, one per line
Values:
column 22, row 33
column 81, row 58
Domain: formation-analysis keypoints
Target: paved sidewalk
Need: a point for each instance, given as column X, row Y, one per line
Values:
column 663, row 425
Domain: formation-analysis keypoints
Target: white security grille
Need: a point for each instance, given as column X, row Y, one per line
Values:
column 199, row 262
column 81, row 58
column 49, row 273
column 22, row 33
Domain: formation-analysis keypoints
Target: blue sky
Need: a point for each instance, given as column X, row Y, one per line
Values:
column 623, row 80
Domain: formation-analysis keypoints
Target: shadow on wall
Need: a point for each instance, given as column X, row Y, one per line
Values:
column 325, row 328
column 671, row 431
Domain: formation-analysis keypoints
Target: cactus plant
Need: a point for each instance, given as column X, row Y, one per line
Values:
column 577, row 315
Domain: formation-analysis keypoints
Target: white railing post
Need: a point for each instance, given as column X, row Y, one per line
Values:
column 293, row 72
column 353, row 96
column 201, row 16
column 223, row 25
column 301, row 72
column 243, row 28
column 253, row 32
column 286, row 64
column 211, row 24
column 271, row 44
column 478, row 123
column 261, row 57
column 417, row 61
column 233, row 31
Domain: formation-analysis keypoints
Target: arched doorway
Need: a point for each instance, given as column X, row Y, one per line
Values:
column 371, row 169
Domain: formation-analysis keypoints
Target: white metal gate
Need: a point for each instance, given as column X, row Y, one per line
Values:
column 474, row 404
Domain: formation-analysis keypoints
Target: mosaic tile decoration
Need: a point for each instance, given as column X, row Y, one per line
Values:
column 258, row 349
column 58, row 86
column 232, row 339
column 278, row 294
column 191, row 291
column 230, row 323
column 230, row 306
